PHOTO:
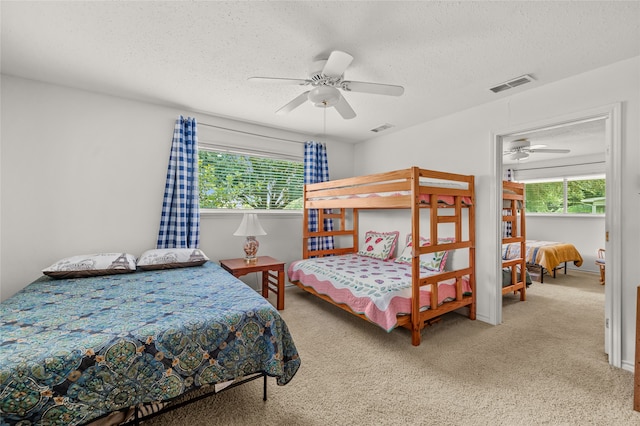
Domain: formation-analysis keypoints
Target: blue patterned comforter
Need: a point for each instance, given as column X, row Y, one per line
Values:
column 76, row 349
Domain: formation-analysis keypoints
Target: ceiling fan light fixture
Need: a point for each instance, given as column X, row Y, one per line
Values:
column 519, row 155
column 324, row 96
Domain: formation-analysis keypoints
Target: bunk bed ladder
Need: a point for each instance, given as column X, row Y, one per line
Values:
column 514, row 215
column 416, row 323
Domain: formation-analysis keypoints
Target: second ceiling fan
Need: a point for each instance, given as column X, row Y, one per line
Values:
column 326, row 78
column 520, row 149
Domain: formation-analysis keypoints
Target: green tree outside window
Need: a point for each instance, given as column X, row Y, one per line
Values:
column 235, row 181
column 568, row 196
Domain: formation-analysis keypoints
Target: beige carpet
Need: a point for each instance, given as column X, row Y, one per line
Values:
column 544, row 365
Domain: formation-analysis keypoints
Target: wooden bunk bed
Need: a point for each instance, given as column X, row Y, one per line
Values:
column 514, row 232
column 414, row 189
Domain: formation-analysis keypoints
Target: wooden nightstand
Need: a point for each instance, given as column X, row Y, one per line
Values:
column 265, row 264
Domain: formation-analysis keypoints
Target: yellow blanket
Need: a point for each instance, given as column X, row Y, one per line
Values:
column 547, row 254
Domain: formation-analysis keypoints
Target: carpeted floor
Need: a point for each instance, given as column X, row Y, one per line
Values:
column 545, row 365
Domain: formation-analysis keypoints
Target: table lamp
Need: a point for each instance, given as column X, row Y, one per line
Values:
column 250, row 227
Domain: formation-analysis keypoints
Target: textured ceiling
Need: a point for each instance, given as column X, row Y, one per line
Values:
column 198, row 55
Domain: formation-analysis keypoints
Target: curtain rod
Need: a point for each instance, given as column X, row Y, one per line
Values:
column 555, row 167
column 249, row 133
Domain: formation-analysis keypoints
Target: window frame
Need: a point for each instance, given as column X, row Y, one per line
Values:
column 565, row 181
column 251, row 152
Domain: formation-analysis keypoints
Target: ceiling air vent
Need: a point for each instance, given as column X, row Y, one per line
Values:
column 518, row 81
column 381, row 128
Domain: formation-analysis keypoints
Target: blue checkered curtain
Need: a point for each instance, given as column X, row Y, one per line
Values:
column 180, row 221
column 316, row 169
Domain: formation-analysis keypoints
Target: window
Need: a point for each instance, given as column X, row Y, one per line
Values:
column 577, row 195
column 230, row 180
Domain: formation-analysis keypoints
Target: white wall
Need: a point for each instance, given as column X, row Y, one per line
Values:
column 83, row 172
column 585, row 233
column 459, row 144
column 463, row 143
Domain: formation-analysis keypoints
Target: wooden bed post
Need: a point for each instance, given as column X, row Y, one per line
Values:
column 472, row 249
column 523, row 249
column 416, row 324
column 356, row 225
column 305, row 225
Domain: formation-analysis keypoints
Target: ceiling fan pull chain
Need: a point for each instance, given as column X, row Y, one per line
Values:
column 324, row 125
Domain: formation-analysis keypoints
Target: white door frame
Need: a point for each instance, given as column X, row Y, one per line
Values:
column 611, row 114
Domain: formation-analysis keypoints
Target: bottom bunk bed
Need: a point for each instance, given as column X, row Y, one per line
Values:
column 76, row 350
column 507, row 280
column 546, row 256
column 379, row 291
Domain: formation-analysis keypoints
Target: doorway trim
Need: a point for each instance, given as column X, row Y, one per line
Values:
column 611, row 114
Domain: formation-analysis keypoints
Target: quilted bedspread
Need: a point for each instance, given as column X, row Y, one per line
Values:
column 73, row 350
column 378, row 289
column 548, row 254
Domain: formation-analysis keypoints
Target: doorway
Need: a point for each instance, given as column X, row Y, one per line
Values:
column 609, row 116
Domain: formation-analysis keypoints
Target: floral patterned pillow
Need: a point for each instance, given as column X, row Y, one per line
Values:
column 426, row 241
column 435, row 261
column 379, row 245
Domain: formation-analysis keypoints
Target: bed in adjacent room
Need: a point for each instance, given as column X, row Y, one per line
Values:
column 547, row 256
column 73, row 350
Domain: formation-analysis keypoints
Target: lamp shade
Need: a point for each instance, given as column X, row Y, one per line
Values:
column 250, row 226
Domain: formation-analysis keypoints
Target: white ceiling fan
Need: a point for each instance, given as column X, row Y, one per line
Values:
column 520, row 149
column 326, row 77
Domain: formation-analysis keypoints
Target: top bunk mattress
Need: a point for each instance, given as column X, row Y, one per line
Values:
column 392, row 189
column 512, row 192
column 425, row 199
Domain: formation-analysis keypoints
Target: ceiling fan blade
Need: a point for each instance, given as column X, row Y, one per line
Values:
column 375, row 88
column 296, row 102
column 275, row 80
column 336, row 64
column 344, row 109
column 550, row 150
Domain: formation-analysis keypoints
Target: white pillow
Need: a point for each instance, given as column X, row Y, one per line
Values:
column 91, row 265
column 170, row 258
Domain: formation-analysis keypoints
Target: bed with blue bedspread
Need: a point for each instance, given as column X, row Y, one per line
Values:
column 74, row 350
